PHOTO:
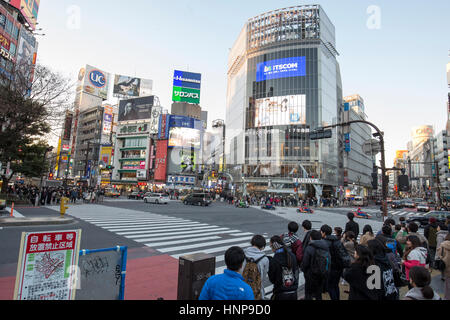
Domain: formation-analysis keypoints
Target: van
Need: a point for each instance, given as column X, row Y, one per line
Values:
column 359, row 201
column 199, row 199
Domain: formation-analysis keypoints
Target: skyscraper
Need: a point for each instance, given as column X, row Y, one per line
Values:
column 283, row 82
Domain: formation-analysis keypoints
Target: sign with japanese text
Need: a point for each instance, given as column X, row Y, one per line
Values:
column 46, row 267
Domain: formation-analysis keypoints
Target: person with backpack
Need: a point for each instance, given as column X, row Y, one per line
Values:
column 388, row 289
column 307, row 226
column 386, row 238
column 229, row 285
column 315, row 266
column 256, row 266
column 415, row 255
column 282, row 271
column 420, row 280
column 430, row 233
column 291, row 240
column 357, row 275
column 340, row 259
column 352, row 225
column 443, row 254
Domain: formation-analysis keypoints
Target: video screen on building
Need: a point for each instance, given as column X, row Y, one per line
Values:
column 280, row 111
column 136, row 109
column 184, row 137
column 281, row 68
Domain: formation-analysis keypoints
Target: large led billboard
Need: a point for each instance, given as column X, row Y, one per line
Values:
column 184, row 132
column 182, row 161
column 279, row 111
column 281, row 68
column 136, row 109
column 131, row 86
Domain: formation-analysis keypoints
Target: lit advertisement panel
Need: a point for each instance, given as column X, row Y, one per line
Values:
column 182, row 161
column 184, row 137
column 188, row 95
column 136, row 109
column 29, row 9
column 95, row 81
column 279, row 111
column 281, row 68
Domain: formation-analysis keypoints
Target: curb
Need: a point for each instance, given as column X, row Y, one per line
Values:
column 10, row 222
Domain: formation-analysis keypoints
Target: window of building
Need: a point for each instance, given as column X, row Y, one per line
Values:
column 2, row 20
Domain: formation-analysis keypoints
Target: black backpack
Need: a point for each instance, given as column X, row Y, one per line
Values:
column 321, row 262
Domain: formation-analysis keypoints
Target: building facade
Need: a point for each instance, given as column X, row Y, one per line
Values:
column 284, row 81
column 358, row 166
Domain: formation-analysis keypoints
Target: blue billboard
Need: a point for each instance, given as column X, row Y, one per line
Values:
column 184, row 122
column 186, row 79
column 281, row 68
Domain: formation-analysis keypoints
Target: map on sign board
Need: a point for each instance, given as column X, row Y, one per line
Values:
column 46, row 264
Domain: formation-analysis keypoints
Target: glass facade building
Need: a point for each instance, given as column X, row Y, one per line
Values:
column 283, row 82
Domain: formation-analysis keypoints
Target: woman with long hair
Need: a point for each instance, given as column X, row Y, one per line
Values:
column 415, row 255
column 357, row 275
column 367, row 235
column 350, row 244
column 283, row 271
column 420, row 280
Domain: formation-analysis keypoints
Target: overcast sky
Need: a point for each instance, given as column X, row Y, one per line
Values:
column 392, row 53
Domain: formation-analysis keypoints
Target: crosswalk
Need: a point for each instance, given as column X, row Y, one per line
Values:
column 173, row 236
column 374, row 211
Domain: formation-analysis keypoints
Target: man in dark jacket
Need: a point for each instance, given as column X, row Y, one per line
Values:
column 430, row 233
column 314, row 283
column 352, row 225
column 340, row 259
column 307, row 226
column 292, row 241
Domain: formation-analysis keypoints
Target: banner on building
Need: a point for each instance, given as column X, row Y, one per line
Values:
column 132, row 86
column 94, row 81
column 161, row 160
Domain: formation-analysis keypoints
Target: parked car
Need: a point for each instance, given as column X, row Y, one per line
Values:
column 423, row 207
column 157, row 198
column 422, row 221
column 200, row 199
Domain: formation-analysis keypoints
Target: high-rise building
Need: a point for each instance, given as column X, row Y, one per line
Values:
column 284, row 81
column 358, row 166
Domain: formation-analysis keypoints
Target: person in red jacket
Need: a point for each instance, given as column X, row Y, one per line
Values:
column 292, row 241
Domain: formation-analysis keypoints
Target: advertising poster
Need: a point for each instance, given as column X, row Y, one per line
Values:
column 27, row 49
column 106, row 154
column 278, row 111
column 68, row 126
column 186, row 87
column 154, row 121
column 281, row 68
column 181, row 94
column 136, row 109
column 182, row 161
column 126, row 86
column 45, row 269
column 161, row 160
column 107, row 119
column 95, row 81
column 163, row 130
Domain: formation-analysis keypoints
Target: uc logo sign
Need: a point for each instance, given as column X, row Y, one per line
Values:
column 97, row 78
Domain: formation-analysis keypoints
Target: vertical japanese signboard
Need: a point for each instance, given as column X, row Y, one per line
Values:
column 46, row 267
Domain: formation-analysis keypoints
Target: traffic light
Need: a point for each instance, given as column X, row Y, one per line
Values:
column 50, row 176
column 374, row 180
column 109, row 167
column 63, row 205
column 403, row 183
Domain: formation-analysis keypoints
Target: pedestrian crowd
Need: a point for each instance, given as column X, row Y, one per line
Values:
column 283, row 201
column 375, row 267
column 53, row 195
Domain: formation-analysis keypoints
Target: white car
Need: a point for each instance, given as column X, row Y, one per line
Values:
column 157, row 198
column 423, row 207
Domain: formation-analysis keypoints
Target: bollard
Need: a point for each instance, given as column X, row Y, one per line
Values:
column 193, row 271
column 63, row 207
column 12, row 210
